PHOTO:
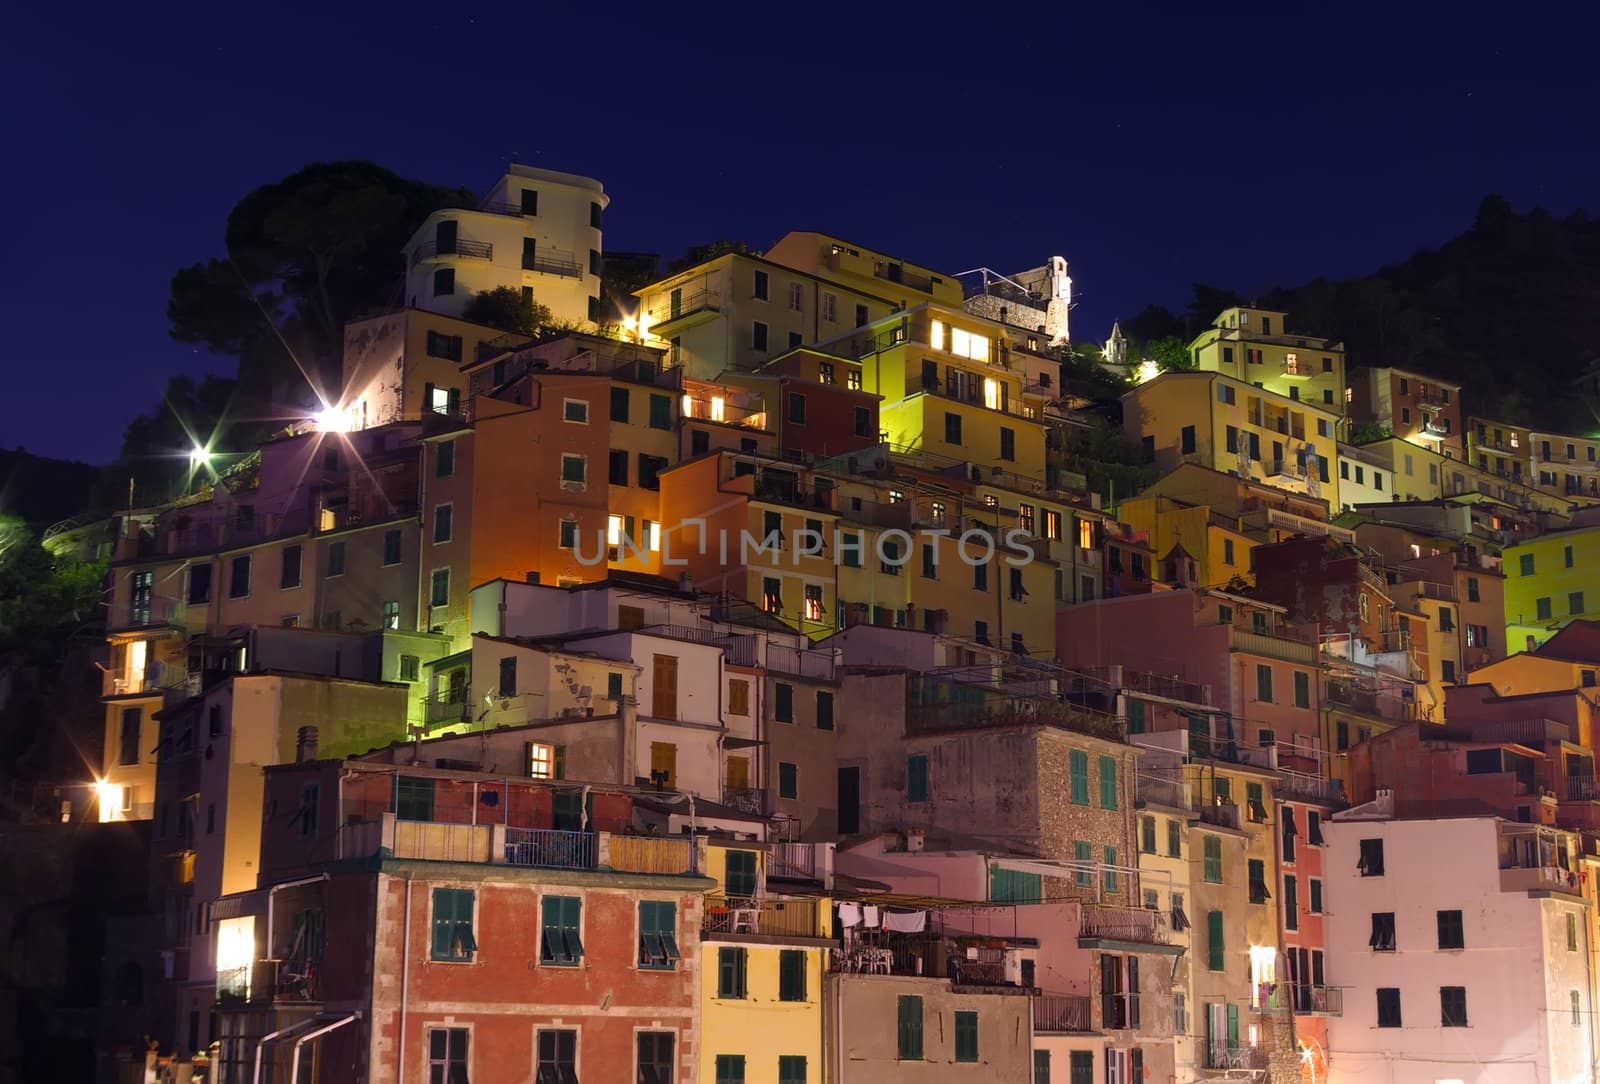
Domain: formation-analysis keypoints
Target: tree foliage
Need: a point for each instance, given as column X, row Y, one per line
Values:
column 698, row 254
column 508, row 310
column 302, row 256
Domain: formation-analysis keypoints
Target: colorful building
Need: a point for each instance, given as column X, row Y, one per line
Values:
column 1550, row 581
column 1254, row 347
column 1415, row 408
column 1560, row 464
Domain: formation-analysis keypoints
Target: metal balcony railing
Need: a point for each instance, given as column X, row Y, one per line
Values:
column 553, row 262
column 686, row 304
column 1057, row 1013
column 1124, row 924
column 550, row 849
column 1222, row 1056
column 451, row 706
column 462, row 246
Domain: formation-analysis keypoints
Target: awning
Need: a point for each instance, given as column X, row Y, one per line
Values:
column 742, row 743
column 239, row 904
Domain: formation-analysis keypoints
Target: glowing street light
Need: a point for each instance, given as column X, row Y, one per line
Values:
column 198, row 457
column 333, row 420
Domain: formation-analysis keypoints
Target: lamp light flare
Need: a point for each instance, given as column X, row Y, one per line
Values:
column 332, row 420
column 198, row 456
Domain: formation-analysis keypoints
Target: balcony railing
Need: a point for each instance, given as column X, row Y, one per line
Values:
column 739, row 650
column 1583, row 788
column 1058, row 1013
column 649, row 854
column 686, row 304
column 764, row 918
column 1124, row 924
column 800, row 861
column 553, row 262
column 1313, row 787
column 445, row 708
column 1226, row 815
column 1273, row 647
column 153, row 612
column 550, row 849
column 1222, row 1056
column 462, row 246
column 1303, row 999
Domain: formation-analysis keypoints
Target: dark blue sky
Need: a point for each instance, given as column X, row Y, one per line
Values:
column 1245, row 149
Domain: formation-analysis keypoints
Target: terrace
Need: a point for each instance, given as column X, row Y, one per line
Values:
column 504, row 845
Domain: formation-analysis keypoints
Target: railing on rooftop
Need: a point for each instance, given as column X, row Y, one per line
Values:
column 1582, row 788
column 1059, row 1013
column 1161, row 789
column 550, row 848
column 819, row 663
column 1169, row 686
column 1315, row 788
column 739, row 650
column 1271, row 646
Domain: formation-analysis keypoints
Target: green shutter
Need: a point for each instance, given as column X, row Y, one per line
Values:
column 1216, row 951
column 966, row 1035
column 783, row 710
column 1083, row 854
column 910, row 1028
column 453, row 938
column 560, row 943
column 1233, row 1027
column 1078, row 762
column 731, row 971
column 1041, row 1067
column 1110, row 873
column 791, row 1069
column 792, row 975
column 1108, row 782
column 740, row 878
column 730, row 1069
column 1014, row 886
column 1213, row 860
column 1081, row 1066
column 917, row 778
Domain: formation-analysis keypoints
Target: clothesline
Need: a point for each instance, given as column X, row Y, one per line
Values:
column 871, row 917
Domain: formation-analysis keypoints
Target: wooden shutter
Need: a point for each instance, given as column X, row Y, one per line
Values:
column 664, row 690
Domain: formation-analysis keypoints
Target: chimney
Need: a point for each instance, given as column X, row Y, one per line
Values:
column 305, row 746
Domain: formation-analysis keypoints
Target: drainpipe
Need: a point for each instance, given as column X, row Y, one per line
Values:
column 1277, row 864
column 405, row 986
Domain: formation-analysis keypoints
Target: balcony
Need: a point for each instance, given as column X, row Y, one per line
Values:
column 1313, row 788
column 1272, row 647
column 1222, row 1056
column 550, row 849
column 1161, row 790
column 1062, row 1014
column 819, row 664
column 158, row 611
column 1284, row 468
column 1223, row 815
column 1302, row 999
column 447, row 708
column 682, row 306
column 1583, row 788
column 553, row 261
column 1296, row 369
column 801, row 862
column 647, row 854
column 764, row 918
column 529, row 848
column 895, row 272
column 939, row 717
column 1136, row 924
column 462, row 247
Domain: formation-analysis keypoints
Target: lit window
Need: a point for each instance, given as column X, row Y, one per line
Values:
column 688, row 405
column 719, row 408
column 1085, row 534
column 614, row 530
column 936, row 336
column 991, row 393
column 541, row 761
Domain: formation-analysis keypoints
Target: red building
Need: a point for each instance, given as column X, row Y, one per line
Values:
column 1128, row 561
column 420, row 923
column 1304, row 805
column 816, row 405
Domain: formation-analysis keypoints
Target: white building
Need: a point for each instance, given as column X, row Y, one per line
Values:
column 537, row 231
column 1461, row 944
column 1038, row 299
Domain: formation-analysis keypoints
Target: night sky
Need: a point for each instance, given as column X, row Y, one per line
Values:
column 1251, row 149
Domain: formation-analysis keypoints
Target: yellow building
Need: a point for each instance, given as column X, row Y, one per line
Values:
column 1560, row 464
column 764, row 950
column 1550, row 579
column 1218, row 542
column 404, row 365
column 1253, row 345
column 862, row 269
column 1235, row 427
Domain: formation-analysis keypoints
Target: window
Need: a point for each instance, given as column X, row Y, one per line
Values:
column 909, row 1038
column 1147, row 835
column 788, row 780
column 660, row 412
column 1371, row 862
column 1187, row 442
column 567, row 534
column 792, row 975
column 443, row 346
column 730, row 1069
column 952, row 428
column 1078, row 768
column 574, row 468
column 1109, row 880
column 200, row 576
column 1313, row 828
column 1216, row 950
column 575, row 410
column 738, row 696
column 759, row 290
column 443, row 523
column 1213, row 859
column 1542, row 609
column 824, row 710
column 863, row 422
column 1302, row 689
column 1577, row 1007
column 560, row 944
column 732, row 972
column 861, row 316
column 444, row 282
column 1136, row 716
column 1452, row 1007
column 391, row 548
column 655, row 1057
column 658, row 935
column 797, row 408
column 917, row 778
column 1041, row 1067
column 558, row 1057
column 1288, row 833
column 1382, row 937
column 1525, row 564
column 1258, row 881
column 128, row 737
column 1567, row 557
column 1264, row 683
column 1575, row 602
column 1572, row 932
column 1451, row 934
column 1108, row 782
column 966, row 1035
column 1291, row 903
column 447, row 1055
column 1008, row 443
column 439, row 588
column 758, row 336
column 791, row 1069
column 1174, row 838
column 239, row 576
column 452, row 925
column 783, row 702
column 739, row 875
column 830, row 307
column 1083, row 858
column 650, row 468
column 796, row 297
